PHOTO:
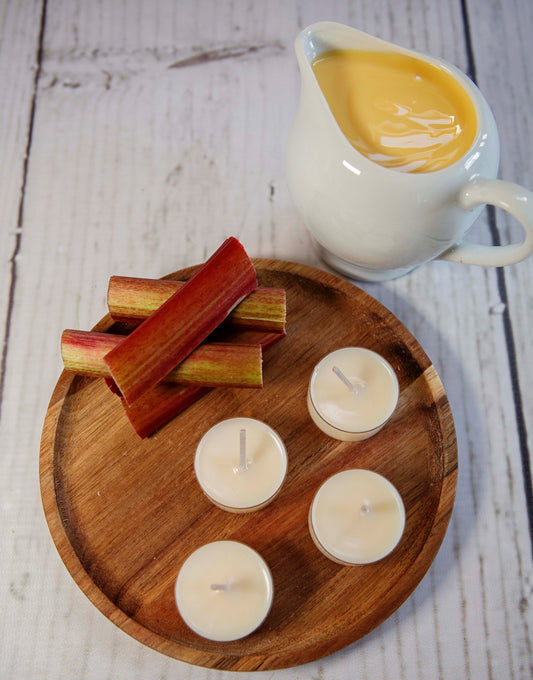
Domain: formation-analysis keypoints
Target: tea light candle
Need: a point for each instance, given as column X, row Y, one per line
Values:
column 356, row 517
column 240, row 464
column 224, row 590
column 352, row 393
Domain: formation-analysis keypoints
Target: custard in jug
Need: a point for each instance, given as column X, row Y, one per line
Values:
column 397, row 110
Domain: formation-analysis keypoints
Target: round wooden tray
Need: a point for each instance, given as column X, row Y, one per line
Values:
column 125, row 513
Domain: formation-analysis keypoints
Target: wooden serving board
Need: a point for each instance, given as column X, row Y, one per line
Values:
column 125, row 513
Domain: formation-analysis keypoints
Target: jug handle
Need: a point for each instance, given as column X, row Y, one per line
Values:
column 515, row 200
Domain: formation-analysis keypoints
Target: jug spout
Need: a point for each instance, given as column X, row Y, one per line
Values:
column 314, row 41
column 325, row 36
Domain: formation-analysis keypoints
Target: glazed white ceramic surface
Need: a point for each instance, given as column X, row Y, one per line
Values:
column 374, row 223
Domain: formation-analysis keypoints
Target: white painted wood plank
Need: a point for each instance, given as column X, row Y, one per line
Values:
column 19, row 46
column 501, row 43
column 501, row 39
column 139, row 165
column 19, row 43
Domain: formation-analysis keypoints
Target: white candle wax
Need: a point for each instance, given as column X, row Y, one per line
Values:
column 224, row 478
column 352, row 393
column 356, row 517
column 224, row 591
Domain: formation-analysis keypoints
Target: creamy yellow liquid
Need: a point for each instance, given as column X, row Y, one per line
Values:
column 398, row 111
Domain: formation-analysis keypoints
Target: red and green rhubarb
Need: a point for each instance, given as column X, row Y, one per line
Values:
column 214, row 364
column 168, row 343
column 134, row 299
column 175, row 329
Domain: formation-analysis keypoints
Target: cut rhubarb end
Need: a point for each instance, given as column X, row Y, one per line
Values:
column 134, row 299
column 83, row 352
column 170, row 334
column 131, row 298
column 160, row 405
column 210, row 364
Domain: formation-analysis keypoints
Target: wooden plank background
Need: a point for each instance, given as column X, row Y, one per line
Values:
column 135, row 136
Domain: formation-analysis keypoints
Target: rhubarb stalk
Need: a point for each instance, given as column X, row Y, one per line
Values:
column 220, row 364
column 133, row 299
column 171, row 333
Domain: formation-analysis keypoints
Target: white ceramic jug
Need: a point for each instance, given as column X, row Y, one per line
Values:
column 374, row 223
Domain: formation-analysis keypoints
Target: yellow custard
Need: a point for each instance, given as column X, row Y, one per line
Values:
column 397, row 110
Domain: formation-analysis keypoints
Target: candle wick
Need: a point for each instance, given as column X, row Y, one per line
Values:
column 365, row 509
column 220, row 586
column 350, row 385
column 243, row 465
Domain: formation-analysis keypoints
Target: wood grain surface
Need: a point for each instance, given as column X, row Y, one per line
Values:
column 125, row 513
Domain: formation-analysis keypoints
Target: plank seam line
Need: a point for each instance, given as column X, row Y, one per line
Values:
column 20, row 212
column 506, row 320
